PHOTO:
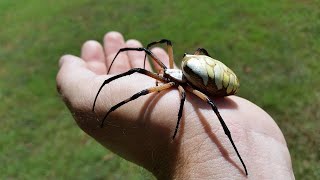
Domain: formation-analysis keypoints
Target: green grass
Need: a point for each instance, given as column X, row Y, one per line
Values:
column 273, row 46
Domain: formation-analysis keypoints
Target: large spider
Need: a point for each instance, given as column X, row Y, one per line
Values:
column 201, row 75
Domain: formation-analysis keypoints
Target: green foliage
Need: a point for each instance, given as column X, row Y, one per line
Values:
column 273, row 46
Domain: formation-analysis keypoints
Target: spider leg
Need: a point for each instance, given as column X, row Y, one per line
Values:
column 131, row 71
column 183, row 98
column 160, row 73
column 138, row 49
column 169, row 49
column 137, row 95
column 201, row 50
column 223, row 124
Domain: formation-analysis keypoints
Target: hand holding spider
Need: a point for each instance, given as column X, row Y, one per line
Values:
column 141, row 130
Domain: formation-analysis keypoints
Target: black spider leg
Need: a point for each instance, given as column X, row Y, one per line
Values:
column 169, row 49
column 137, row 95
column 223, row 124
column 201, row 50
column 131, row 71
column 183, row 98
column 227, row 132
column 138, row 49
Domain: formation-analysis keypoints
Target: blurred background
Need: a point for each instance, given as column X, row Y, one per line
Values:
column 273, row 46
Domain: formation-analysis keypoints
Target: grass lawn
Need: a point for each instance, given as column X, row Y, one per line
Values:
column 273, row 46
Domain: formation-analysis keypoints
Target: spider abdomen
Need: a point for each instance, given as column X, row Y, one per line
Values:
column 210, row 75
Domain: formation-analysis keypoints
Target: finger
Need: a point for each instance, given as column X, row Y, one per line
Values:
column 163, row 56
column 136, row 58
column 73, row 73
column 92, row 52
column 113, row 41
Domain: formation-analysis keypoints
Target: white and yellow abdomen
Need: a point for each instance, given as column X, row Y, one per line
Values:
column 209, row 75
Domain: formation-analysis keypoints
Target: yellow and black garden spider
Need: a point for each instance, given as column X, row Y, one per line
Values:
column 201, row 75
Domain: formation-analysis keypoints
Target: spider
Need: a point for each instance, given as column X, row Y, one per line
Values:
column 201, row 75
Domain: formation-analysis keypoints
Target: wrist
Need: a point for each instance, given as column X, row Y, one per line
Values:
column 201, row 150
column 199, row 157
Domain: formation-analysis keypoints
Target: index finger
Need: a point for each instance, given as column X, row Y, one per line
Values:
column 73, row 73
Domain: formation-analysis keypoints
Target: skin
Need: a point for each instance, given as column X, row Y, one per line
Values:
column 141, row 131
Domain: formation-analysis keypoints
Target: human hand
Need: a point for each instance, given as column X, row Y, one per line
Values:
column 141, row 130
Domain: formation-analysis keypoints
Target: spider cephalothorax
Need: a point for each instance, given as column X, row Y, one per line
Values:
column 201, row 75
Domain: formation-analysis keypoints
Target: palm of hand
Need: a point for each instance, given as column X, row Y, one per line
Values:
column 141, row 130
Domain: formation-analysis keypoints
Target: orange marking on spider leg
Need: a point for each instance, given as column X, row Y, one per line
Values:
column 161, row 87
